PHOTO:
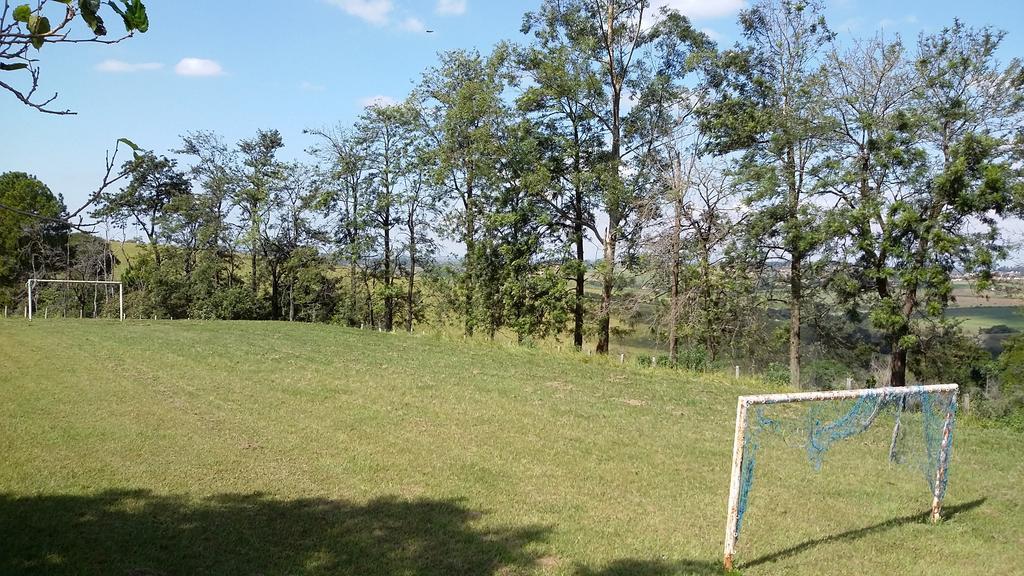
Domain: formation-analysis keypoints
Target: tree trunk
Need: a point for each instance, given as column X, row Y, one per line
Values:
column 581, row 282
column 676, row 247
column 389, row 298
column 578, row 239
column 795, row 276
column 607, row 289
column 794, row 322
column 410, row 297
column 612, row 196
column 252, row 270
column 469, row 274
column 275, row 292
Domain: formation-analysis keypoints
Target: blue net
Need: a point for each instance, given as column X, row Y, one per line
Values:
column 816, row 426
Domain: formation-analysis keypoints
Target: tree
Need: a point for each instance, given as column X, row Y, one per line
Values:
column 154, row 185
column 461, row 106
column 23, row 27
column 421, row 205
column 344, row 199
column 216, row 171
column 617, row 43
column 261, row 172
column 289, row 231
column 770, row 108
column 938, row 170
column 31, row 231
column 556, row 98
column 387, row 137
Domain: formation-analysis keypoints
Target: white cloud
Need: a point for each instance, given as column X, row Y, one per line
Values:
column 412, row 24
column 850, row 24
column 378, row 100
column 121, row 67
column 308, row 86
column 889, row 22
column 703, row 9
column 711, row 33
column 377, row 12
column 451, row 7
column 198, row 67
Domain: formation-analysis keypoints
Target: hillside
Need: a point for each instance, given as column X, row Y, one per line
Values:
column 275, row 448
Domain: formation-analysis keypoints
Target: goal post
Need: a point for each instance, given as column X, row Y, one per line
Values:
column 35, row 281
column 861, row 416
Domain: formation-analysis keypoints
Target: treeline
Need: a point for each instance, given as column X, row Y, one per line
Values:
column 797, row 193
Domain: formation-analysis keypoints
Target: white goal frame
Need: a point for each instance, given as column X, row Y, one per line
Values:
column 120, row 291
column 745, row 402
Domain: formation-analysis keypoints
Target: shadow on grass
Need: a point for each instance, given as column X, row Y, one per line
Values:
column 631, row 567
column 948, row 512
column 137, row 533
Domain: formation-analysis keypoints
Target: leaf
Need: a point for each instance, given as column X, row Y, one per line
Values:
column 89, row 9
column 135, row 147
column 137, row 12
column 39, row 27
column 133, row 14
column 10, row 67
column 22, row 13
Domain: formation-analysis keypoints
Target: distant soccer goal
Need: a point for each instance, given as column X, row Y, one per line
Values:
column 32, row 282
column 817, row 420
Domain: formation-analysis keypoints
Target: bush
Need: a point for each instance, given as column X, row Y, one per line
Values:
column 999, row 329
column 776, row 375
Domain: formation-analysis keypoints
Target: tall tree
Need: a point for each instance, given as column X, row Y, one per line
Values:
column 216, row 170
column 387, row 136
column 932, row 166
column 288, row 230
column 461, row 107
column 557, row 98
column 344, row 200
column 771, row 108
column 31, row 230
column 617, row 43
column 155, row 183
column 262, row 172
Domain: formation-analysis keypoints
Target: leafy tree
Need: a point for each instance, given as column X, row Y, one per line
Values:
column 387, row 135
column 290, row 230
column 23, row 27
column 215, row 170
column 461, row 108
column 155, row 183
column 260, row 173
column 346, row 189
column 770, row 108
column 557, row 98
column 936, row 172
column 32, row 230
column 617, row 44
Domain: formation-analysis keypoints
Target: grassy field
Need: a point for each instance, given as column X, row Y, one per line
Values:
column 978, row 317
column 159, row 448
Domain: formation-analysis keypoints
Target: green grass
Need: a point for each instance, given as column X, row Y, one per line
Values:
column 274, row 448
column 977, row 317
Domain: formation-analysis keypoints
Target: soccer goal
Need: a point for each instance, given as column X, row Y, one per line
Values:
column 35, row 281
column 816, row 420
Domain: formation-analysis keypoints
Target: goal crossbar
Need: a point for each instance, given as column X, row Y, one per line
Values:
column 120, row 291
column 745, row 402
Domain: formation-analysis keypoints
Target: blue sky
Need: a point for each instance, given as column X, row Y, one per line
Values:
column 235, row 67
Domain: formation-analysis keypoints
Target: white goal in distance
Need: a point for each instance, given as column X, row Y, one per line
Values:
column 120, row 291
